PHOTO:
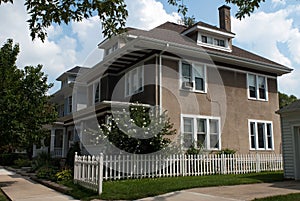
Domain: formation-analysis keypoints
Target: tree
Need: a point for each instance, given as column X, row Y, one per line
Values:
column 24, row 107
column 189, row 21
column 285, row 99
column 112, row 13
column 138, row 131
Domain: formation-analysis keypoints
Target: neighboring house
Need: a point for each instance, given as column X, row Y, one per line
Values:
column 290, row 128
column 214, row 92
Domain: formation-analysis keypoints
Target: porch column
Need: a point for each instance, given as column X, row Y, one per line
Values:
column 34, row 151
column 64, row 143
column 52, row 140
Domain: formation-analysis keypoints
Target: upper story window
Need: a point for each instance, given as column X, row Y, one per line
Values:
column 257, row 87
column 60, row 110
column 111, row 49
column 213, row 41
column 134, row 81
column 261, row 135
column 96, row 92
column 193, row 77
column 69, row 104
column 201, row 131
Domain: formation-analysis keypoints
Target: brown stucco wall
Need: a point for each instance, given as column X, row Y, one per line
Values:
column 227, row 98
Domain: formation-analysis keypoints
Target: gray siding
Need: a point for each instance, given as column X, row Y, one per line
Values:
column 287, row 123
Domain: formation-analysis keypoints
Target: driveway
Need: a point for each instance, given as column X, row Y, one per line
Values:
column 231, row 193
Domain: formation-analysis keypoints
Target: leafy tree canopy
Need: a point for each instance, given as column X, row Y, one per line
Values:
column 24, row 107
column 112, row 13
column 285, row 99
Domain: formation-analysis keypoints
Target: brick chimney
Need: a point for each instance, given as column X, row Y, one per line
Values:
column 224, row 18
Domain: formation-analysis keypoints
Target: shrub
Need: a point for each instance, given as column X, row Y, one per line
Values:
column 42, row 159
column 22, row 163
column 71, row 154
column 64, row 175
column 9, row 158
column 47, row 173
column 226, row 151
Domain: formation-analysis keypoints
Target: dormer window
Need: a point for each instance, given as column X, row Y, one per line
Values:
column 211, row 41
column 111, row 49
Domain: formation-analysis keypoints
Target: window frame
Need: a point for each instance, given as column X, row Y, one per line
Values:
column 206, row 144
column 70, row 104
column 265, row 134
column 95, row 83
column 212, row 44
column 193, row 76
column 128, row 77
column 257, row 91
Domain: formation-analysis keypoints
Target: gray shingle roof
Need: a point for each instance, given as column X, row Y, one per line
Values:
column 170, row 32
column 295, row 106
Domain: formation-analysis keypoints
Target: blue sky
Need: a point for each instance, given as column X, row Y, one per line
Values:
column 272, row 31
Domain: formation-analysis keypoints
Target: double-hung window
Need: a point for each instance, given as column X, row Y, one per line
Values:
column 134, row 81
column 96, row 89
column 261, row 135
column 193, row 77
column 201, row 131
column 69, row 104
column 257, row 87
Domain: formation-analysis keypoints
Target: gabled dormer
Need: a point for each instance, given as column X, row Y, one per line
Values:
column 70, row 76
column 211, row 36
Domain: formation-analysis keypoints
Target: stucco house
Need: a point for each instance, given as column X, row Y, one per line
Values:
column 214, row 92
column 290, row 128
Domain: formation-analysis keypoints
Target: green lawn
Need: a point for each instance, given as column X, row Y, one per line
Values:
column 289, row 197
column 140, row 188
column 2, row 196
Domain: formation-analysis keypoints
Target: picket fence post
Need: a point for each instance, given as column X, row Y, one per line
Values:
column 100, row 173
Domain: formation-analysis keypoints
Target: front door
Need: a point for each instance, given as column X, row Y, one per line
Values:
column 297, row 153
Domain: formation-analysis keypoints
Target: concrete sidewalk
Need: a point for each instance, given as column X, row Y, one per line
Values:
column 19, row 188
column 231, row 193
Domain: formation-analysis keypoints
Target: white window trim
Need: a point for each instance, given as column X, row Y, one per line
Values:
column 256, row 138
column 94, row 90
column 130, row 93
column 72, row 108
column 207, row 139
column 193, row 77
column 226, row 48
column 257, row 87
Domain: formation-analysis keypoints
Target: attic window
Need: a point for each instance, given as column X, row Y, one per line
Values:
column 212, row 41
column 111, row 49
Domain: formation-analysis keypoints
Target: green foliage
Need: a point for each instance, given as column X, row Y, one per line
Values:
column 22, row 163
column 71, row 154
column 285, row 99
column 42, row 159
column 112, row 13
column 9, row 158
column 189, row 21
column 226, row 151
column 194, row 150
column 138, row 130
column 245, row 7
column 24, row 107
column 64, row 175
column 47, row 172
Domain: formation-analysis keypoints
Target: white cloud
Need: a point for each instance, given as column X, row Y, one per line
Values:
column 147, row 14
column 278, row 2
column 55, row 56
column 262, row 32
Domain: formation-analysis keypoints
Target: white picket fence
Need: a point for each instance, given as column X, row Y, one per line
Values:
column 90, row 171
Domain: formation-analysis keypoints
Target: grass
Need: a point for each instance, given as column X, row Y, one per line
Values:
column 289, row 197
column 140, row 188
column 2, row 196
